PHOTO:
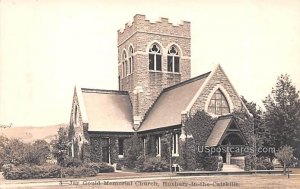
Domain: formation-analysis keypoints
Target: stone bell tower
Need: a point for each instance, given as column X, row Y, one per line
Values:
column 152, row 56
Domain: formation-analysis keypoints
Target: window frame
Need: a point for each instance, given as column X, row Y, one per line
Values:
column 173, row 56
column 130, row 59
column 158, row 146
column 121, row 140
column 175, row 144
column 220, row 104
column 156, row 56
column 124, row 64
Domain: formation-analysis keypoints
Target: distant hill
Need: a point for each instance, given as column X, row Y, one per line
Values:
column 30, row 134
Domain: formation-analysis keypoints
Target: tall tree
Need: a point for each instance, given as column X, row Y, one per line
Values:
column 60, row 146
column 282, row 116
column 259, row 129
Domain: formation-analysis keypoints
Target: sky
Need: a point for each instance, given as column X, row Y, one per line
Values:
column 47, row 47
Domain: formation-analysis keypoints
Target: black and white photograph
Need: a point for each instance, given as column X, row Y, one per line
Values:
column 149, row 94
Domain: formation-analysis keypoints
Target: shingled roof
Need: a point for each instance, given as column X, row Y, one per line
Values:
column 218, row 131
column 167, row 109
column 108, row 111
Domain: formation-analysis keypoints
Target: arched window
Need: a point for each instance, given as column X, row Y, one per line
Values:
column 155, row 58
column 173, row 59
column 218, row 104
column 130, row 59
column 124, row 64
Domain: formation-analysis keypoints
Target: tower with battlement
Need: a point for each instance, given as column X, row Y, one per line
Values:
column 152, row 56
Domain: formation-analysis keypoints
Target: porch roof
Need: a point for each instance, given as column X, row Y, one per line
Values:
column 218, row 131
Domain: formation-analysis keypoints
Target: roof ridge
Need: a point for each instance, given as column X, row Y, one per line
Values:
column 103, row 91
column 225, row 116
column 186, row 81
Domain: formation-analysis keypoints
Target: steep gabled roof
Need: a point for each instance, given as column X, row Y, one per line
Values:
column 107, row 110
column 218, row 131
column 223, row 125
column 166, row 110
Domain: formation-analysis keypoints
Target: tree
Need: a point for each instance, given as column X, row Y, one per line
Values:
column 282, row 116
column 60, row 146
column 15, row 152
column 261, row 133
column 6, row 126
column 285, row 156
column 38, row 152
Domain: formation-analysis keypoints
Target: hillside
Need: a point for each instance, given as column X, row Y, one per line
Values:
column 30, row 134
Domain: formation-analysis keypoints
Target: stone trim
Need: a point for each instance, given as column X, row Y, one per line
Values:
column 155, row 33
column 226, row 94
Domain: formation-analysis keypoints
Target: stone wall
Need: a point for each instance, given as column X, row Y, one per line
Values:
column 218, row 79
column 96, row 146
column 166, row 143
column 141, row 34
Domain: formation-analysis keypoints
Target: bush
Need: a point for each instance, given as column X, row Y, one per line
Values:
column 7, row 167
column 260, row 166
column 213, row 163
column 268, row 165
column 72, row 162
column 30, row 172
column 100, row 167
column 48, row 171
column 77, row 172
column 155, row 165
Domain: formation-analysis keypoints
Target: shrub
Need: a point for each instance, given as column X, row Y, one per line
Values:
column 48, row 171
column 213, row 163
column 7, row 167
column 77, row 172
column 100, row 167
column 268, row 165
column 260, row 166
column 30, row 172
column 155, row 165
column 72, row 162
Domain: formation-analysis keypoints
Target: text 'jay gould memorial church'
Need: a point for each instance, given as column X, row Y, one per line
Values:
column 170, row 114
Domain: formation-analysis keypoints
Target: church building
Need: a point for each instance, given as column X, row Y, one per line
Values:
column 156, row 95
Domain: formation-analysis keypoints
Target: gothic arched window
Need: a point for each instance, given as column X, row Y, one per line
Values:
column 155, row 58
column 173, row 59
column 124, row 64
column 218, row 104
column 130, row 59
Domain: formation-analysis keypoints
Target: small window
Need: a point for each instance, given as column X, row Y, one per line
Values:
column 175, row 144
column 131, row 60
column 158, row 146
column 173, row 60
column 218, row 104
column 72, row 149
column 121, row 146
column 124, row 64
column 155, row 58
column 144, row 146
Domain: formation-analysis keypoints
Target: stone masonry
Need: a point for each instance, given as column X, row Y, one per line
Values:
column 141, row 34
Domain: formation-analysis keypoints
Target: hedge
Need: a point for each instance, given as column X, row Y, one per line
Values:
column 155, row 165
column 77, row 172
column 31, row 172
column 100, row 167
column 48, row 171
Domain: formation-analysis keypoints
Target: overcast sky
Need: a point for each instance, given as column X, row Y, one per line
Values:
column 46, row 47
